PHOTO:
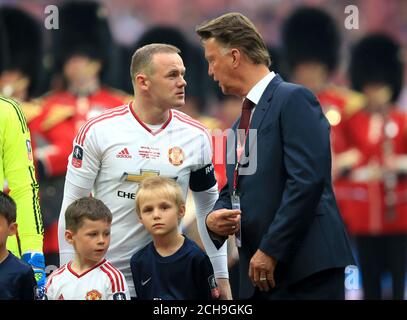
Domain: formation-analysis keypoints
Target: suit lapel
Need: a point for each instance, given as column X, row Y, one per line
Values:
column 261, row 108
column 255, row 123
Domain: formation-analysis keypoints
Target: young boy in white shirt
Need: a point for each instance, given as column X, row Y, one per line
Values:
column 89, row 276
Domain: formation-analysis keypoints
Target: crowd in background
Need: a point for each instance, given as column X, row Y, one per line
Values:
column 128, row 19
column 119, row 27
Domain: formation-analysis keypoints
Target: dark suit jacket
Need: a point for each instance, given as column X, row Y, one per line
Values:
column 288, row 206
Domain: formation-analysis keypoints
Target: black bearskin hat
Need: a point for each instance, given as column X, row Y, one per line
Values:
column 20, row 44
column 83, row 30
column 311, row 35
column 377, row 59
column 165, row 34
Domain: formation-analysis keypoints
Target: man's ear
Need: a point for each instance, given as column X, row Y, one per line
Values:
column 12, row 229
column 69, row 236
column 141, row 81
column 236, row 56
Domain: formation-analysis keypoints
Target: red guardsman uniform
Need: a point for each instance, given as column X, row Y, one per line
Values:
column 218, row 158
column 373, row 201
column 62, row 115
column 338, row 104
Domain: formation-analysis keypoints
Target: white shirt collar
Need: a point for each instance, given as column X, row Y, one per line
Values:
column 257, row 91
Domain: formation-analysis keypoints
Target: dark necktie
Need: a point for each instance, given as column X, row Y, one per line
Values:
column 246, row 113
column 244, row 124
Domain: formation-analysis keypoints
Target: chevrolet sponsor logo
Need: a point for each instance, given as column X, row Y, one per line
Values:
column 124, row 194
column 133, row 177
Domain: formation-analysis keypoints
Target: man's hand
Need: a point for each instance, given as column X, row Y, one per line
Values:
column 224, row 289
column 37, row 262
column 261, row 271
column 223, row 222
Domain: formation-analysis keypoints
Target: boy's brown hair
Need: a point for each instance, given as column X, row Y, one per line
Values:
column 86, row 208
column 8, row 208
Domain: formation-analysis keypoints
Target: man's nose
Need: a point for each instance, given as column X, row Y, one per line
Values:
column 182, row 82
column 210, row 71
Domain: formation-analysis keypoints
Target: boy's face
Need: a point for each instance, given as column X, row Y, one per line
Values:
column 91, row 240
column 6, row 230
column 160, row 215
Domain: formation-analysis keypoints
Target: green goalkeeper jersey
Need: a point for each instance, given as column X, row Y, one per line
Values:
column 17, row 169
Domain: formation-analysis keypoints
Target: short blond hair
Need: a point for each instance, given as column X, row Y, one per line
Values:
column 159, row 186
column 234, row 30
column 141, row 60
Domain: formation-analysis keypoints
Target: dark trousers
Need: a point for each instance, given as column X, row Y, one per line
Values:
column 324, row 285
column 378, row 254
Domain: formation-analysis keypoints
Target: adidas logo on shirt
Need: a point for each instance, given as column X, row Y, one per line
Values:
column 124, row 154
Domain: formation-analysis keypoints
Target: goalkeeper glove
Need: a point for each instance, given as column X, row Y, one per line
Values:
column 37, row 262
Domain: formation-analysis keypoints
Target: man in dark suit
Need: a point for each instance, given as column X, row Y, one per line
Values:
column 293, row 241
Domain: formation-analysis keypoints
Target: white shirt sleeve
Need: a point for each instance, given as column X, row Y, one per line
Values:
column 204, row 202
column 83, row 167
column 118, row 295
column 49, row 291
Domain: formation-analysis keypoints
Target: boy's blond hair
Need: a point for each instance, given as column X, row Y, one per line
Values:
column 159, row 186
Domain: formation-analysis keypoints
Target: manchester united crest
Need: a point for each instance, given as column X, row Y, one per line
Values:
column 176, row 156
column 94, row 295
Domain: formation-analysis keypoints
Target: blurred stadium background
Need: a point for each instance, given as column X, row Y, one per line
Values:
column 41, row 54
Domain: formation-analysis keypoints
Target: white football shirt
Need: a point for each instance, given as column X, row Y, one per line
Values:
column 113, row 152
column 102, row 282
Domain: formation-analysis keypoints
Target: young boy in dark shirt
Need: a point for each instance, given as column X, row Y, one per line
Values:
column 171, row 267
column 17, row 280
